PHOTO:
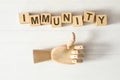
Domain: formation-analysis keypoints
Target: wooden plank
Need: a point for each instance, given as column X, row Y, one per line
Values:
column 89, row 16
column 24, row 18
column 78, row 47
column 101, row 20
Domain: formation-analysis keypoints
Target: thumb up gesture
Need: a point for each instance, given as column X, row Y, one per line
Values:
column 69, row 53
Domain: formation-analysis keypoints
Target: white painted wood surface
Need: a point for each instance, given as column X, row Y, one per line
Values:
column 17, row 41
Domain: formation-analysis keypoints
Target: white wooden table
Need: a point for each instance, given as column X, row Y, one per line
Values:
column 17, row 41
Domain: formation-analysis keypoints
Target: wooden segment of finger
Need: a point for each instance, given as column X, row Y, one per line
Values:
column 75, row 56
column 74, row 52
column 81, row 53
column 74, row 61
column 79, row 60
column 78, row 47
column 71, row 42
column 89, row 16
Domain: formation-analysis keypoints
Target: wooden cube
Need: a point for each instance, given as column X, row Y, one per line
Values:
column 45, row 18
column 89, row 16
column 56, row 21
column 101, row 20
column 77, row 21
column 24, row 18
column 74, row 56
column 34, row 20
column 66, row 17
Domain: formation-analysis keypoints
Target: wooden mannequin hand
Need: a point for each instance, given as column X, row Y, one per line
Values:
column 68, row 54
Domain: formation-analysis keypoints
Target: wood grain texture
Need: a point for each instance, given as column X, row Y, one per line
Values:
column 89, row 16
column 66, row 17
column 77, row 21
column 56, row 21
column 41, row 55
column 24, row 18
column 101, row 20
